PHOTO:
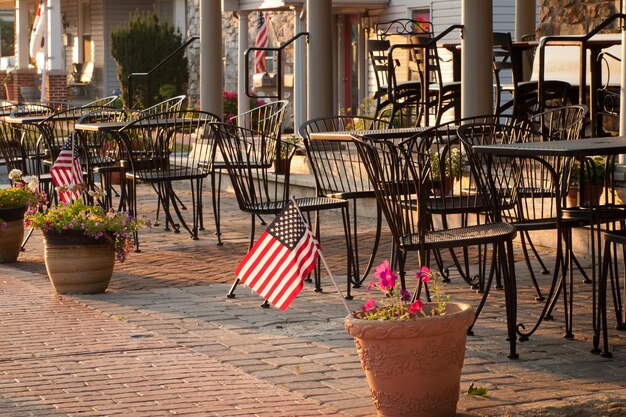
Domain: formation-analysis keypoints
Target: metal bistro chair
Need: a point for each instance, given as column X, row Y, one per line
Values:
column 339, row 172
column 173, row 104
column 267, row 119
column 398, row 176
column 261, row 192
column 165, row 148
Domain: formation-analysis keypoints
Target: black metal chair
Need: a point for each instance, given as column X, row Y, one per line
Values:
column 173, row 104
column 398, row 176
column 339, row 173
column 266, row 119
column 165, row 148
column 259, row 191
column 525, row 94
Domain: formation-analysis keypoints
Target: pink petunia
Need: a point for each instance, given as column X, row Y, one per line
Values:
column 369, row 305
column 386, row 277
column 416, row 307
column 423, row 274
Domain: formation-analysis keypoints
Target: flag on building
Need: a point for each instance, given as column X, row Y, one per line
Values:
column 281, row 259
column 262, row 40
column 67, row 171
column 37, row 35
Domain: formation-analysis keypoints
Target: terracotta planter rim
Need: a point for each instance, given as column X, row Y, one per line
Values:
column 424, row 326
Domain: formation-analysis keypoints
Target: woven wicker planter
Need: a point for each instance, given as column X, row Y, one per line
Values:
column 413, row 367
column 78, row 264
column 11, row 238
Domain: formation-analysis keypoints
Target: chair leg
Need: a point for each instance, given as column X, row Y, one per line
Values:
column 600, row 316
column 349, row 251
column 215, row 198
column 510, row 295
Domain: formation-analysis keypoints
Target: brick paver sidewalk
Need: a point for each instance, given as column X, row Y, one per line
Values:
column 164, row 340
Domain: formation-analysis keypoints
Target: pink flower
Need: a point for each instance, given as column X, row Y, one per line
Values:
column 424, row 274
column 372, row 285
column 416, row 307
column 369, row 305
column 386, row 277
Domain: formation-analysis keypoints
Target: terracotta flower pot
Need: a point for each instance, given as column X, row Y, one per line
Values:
column 77, row 263
column 12, row 236
column 593, row 199
column 413, row 367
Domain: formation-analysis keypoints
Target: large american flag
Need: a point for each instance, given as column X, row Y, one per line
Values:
column 67, row 170
column 262, row 40
column 281, row 259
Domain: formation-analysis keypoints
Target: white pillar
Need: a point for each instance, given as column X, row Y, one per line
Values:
column 299, row 82
column 211, row 57
column 525, row 18
column 320, row 66
column 22, row 34
column 54, row 42
column 476, row 61
column 243, row 103
column 622, row 99
column 525, row 23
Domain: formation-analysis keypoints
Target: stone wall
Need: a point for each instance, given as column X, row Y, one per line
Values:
column 281, row 29
column 573, row 17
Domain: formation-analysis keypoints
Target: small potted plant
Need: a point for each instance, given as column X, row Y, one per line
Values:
column 412, row 352
column 15, row 201
column 452, row 166
column 286, row 147
column 81, row 243
column 592, row 184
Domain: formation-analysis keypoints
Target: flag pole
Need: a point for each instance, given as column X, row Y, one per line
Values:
column 321, row 255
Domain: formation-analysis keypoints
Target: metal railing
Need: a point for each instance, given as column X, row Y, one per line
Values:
column 147, row 75
column 279, row 73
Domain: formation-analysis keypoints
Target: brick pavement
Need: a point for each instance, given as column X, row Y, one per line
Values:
column 164, row 340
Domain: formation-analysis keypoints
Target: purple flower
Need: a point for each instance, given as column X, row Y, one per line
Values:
column 386, row 277
column 405, row 295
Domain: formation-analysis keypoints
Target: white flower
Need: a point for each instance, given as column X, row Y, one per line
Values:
column 15, row 174
column 33, row 183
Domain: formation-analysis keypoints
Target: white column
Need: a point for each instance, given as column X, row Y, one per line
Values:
column 622, row 99
column 476, row 61
column 54, row 42
column 525, row 22
column 299, row 82
column 243, row 104
column 525, row 18
column 320, row 66
column 22, row 34
column 211, row 57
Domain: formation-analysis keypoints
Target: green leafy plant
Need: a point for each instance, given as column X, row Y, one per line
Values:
column 139, row 47
column 594, row 174
column 24, row 192
column 287, row 144
column 454, row 163
column 396, row 303
column 477, row 391
column 92, row 221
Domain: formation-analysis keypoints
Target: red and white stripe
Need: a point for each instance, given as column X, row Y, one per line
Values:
column 277, row 273
column 67, row 171
column 262, row 41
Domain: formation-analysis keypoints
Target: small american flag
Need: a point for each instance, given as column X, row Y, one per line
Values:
column 281, row 259
column 262, row 40
column 67, row 171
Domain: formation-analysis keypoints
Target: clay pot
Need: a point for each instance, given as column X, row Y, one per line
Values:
column 593, row 199
column 77, row 263
column 413, row 367
column 11, row 238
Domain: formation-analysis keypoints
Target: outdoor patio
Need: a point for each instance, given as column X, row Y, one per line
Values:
column 164, row 340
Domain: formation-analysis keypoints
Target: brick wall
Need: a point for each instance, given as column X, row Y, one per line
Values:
column 56, row 86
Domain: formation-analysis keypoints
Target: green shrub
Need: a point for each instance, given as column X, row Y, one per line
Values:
column 139, row 47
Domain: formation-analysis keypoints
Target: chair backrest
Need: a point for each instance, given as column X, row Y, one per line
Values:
column 336, row 164
column 102, row 148
column 522, row 190
column 170, row 145
column 561, row 123
column 32, row 110
column 378, row 53
column 403, row 26
column 396, row 187
column 244, row 152
column 102, row 102
column 169, row 105
column 266, row 118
